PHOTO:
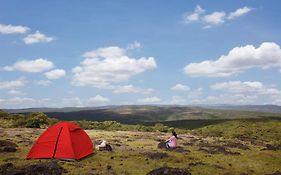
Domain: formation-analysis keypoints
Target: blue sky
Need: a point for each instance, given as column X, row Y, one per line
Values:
column 93, row 53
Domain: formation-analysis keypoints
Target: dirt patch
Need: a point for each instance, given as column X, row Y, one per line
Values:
column 270, row 147
column 159, row 140
column 276, row 173
column 10, row 159
column 7, row 146
column 44, row 168
column 93, row 171
column 216, row 149
column 168, row 171
column 8, row 149
column 7, row 143
column 238, row 145
column 196, row 163
column 25, row 140
column 156, row 156
column 219, row 167
column 117, row 144
column 256, row 142
column 181, row 150
column 115, row 141
column 110, row 171
column 192, row 141
column 36, row 169
column 124, row 137
column 6, row 167
column 188, row 144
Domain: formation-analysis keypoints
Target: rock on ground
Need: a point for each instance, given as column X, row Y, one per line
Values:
column 7, row 146
column 35, row 169
column 168, row 171
column 156, row 156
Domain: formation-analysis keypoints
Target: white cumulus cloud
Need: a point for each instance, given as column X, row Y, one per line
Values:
column 16, row 93
column 240, row 93
column 255, row 87
column 180, row 87
column 37, row 65
column 12, row 84
column 239, row 12
column 214, row 18
column 228, row 98
column 149, row 100
column 17, row 102
column 267, row 55
column 97, row 100
column 20, row 100
column 134, row 45
column 37, row 37
column 55, row 74
column 131, row 89
column 24, row 102
column 244, row 92
column 72, row 102
column 44, row 82
column 105, row 66
column 178, row 100
column 10, row 29
column 195, row 16
column 277, row 102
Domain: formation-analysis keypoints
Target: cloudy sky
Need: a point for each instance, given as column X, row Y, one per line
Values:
column 94, row 53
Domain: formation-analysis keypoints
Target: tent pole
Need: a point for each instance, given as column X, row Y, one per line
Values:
column 55, row 150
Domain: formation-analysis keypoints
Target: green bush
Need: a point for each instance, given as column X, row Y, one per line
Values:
column 52, row 121
column 36, row 120
column 32, row 120
column 143, row 128
column 3, row 115
column 19, row 122
column 160, row 127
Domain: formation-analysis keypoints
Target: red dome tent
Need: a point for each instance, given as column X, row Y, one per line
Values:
column 63, row 140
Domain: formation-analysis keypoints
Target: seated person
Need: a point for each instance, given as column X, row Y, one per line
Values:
column 171, row 143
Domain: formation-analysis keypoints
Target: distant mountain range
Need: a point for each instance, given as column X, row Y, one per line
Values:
column 66, row 109
column 134, row 114
column 257, row 108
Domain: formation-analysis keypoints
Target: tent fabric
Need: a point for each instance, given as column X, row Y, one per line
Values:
column 63, row 140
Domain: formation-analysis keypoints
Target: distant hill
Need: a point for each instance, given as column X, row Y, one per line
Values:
column 135, row 114
column 141, row 108
column 66, row 109
column 257, row 108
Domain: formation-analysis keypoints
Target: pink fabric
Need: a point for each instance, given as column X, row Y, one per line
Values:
column 172, row 142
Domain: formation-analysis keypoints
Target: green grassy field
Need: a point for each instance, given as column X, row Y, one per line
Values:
column 213, row 149
column 214, row 146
